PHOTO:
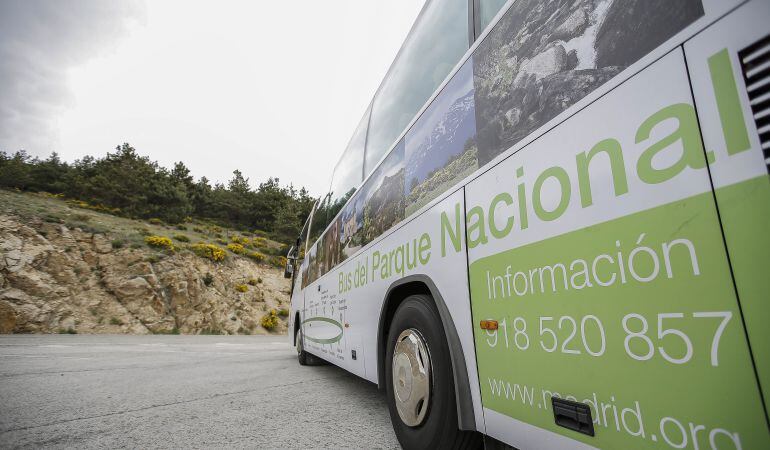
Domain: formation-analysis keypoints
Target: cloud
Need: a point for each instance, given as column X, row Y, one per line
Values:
column 39, row 41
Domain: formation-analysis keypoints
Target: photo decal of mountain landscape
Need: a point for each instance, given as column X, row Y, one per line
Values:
column 384, row 195
column 544, row 56
column 440, row 148
column 352, row 226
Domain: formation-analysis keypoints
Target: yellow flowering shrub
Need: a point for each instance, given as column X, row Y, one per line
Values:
column 241, row 288
column 161, row 242
column 269, row 320
column 256, row 256
column 208, row 251
column 240, row 240
column 238, row 249
column 259, row 242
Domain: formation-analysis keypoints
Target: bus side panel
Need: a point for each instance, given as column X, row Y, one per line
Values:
column 740, row 177
column 352, row 294
column 597, row 248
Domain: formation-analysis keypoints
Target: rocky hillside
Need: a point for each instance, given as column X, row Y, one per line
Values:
column 59, row 277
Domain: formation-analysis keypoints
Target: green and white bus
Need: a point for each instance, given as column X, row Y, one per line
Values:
column 551, row 229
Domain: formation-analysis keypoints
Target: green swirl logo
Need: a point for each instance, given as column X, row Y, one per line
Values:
column 331, row 340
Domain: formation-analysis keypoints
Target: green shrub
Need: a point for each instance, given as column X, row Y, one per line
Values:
column 117, row 243
column 278, row 261
column 156, row 221
column 212, row 330
column 69, row 330
column 115, row 321
column 252, row 282
column 241, row 288
column 208, row 279
column 181, row 227
column 208, row 251
column 181, row 238
column 283, row 312
column 143, row 231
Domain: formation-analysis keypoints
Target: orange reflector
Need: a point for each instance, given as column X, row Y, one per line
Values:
column 488, row 324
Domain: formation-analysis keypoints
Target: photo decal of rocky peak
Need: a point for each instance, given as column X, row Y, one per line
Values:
column 545, row 55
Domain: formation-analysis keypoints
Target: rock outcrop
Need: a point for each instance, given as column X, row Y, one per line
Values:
column 57, row 279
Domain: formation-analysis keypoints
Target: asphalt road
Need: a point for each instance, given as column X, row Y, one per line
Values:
column 101, row 391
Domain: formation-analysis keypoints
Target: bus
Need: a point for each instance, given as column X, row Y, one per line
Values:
column 550, row 229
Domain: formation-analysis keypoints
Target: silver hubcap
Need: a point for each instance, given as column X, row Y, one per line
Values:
column 411, row 377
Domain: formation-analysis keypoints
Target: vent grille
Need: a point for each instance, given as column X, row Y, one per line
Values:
column 755, row 62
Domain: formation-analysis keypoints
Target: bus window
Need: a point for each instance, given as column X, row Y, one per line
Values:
column 349, row 170
column 486, row 11
column 436, row 43
column 319, row 220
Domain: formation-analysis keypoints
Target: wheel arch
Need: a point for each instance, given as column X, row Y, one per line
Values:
column 422, row 284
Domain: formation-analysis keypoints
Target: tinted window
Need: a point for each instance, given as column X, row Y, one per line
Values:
column 487, row 11
column 349, row 169
column 303, row 239
column 320, row 219
column 436, row 44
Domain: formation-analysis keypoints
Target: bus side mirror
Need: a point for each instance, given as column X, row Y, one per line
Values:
column 291, row 257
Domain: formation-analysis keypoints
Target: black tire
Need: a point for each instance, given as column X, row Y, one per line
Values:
column 304, row 358
column 302, row 355
column 438, row 429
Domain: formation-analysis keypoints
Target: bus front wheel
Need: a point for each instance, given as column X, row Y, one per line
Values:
column 419, row 383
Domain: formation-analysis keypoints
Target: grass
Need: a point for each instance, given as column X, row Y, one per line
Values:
column 211, row 331
column 131, row 233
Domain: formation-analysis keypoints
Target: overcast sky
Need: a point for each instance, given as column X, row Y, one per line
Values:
column 270, row 88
